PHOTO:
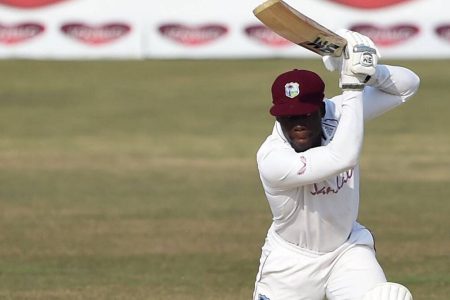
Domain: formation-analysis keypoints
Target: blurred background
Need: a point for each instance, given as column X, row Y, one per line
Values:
column 129, row 131
column 79, row 29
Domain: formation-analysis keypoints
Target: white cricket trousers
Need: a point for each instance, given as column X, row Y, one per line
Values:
column 288, row 272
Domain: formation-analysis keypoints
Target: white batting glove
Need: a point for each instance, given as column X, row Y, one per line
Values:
column 358, row 62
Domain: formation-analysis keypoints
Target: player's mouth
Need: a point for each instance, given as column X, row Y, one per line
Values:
column 301, row 134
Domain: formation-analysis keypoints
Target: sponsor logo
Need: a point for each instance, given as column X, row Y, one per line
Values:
column 193, row 35
column 291, row 89
column 96, row 35
column 28, row 3
column 443, row 32
column 367, row 60
column 302, row 170
column 266, row 36
column 334, row 187
column 369, row 4
column 329, row 126
column 387, row 36
column 321, row 45
column 19, row 33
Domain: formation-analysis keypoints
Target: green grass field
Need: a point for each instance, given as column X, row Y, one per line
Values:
column 138, row 180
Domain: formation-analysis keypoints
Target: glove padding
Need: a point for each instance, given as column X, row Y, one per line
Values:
column 358, row 62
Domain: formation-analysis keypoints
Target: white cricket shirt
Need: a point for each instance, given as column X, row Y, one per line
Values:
column 314, row 195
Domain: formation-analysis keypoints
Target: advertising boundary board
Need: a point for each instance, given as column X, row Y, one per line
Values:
column 199, row 29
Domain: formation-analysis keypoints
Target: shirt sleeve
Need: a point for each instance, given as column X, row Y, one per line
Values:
column 282, row 168
column 388, row 88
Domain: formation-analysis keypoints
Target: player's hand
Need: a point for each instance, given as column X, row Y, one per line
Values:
column 358, row 62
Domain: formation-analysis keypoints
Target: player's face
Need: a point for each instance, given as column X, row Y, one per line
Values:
column 303, row 131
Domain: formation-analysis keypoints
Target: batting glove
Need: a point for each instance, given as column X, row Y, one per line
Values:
column 358, row 62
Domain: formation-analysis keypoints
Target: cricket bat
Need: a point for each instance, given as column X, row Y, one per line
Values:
column 298, row 28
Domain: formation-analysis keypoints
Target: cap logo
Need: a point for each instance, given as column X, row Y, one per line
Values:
column 292, row 89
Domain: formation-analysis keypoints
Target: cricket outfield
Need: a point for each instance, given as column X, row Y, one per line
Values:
column 138, row 180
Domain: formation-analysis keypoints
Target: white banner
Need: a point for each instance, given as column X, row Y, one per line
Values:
column 80, row 29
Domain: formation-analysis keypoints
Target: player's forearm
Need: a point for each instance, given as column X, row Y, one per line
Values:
column 389, row 87
column 395, row 80
column 344, row 150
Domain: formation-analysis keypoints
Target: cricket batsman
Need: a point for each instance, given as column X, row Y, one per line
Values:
column 308, row 166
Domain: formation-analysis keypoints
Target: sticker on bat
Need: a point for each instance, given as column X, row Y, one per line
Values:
column 320, row 44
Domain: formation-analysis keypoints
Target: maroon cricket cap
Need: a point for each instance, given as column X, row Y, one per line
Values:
column 297, row 92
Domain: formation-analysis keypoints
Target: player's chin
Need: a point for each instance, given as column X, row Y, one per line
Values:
column 301, row 145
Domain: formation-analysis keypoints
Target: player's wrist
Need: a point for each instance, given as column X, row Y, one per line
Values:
column 352, row 87
column 353, row 82
column 374, row 80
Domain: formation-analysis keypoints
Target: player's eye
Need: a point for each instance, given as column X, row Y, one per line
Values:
column 298, row 117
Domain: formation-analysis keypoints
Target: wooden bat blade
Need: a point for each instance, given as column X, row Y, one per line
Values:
column 298, row 28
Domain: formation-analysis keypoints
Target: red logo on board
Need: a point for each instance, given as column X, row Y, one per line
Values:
column 369, row 4
column 443, row 32
column 191, row 35
column 266, row 36
column 28, row 3
column 96, row 35
column 16, row 34
column 387, row 36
